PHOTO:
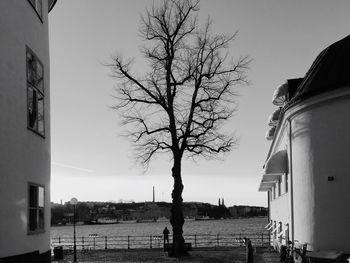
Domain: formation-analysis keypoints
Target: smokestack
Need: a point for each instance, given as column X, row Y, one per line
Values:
column 154, row 195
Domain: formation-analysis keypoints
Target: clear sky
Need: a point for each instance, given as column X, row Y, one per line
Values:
column 91, row 161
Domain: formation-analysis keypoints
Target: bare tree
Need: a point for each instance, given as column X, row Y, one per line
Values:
column 180, row 104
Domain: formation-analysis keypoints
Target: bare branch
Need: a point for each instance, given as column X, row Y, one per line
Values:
column 181, row 103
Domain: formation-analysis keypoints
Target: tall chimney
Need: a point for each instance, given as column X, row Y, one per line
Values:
column 154, row 195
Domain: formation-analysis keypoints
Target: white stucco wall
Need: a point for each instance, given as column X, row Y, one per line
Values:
column 320, row 144
column 320, row 141
column 24, row 156
column 330, row 143
column 303, row 182
column 280, row 206
column 280, row 209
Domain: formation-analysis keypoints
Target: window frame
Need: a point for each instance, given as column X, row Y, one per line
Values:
column 39, row 228
column 279, row 186
column 280, row 232
column 34, row 87
column 34, row 6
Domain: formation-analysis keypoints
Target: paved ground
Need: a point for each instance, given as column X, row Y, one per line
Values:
column 270, row 256
column 222, row 255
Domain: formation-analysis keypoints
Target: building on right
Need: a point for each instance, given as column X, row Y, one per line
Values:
column 307, row 170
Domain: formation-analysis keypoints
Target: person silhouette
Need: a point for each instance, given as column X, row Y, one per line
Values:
column 166, row 235
column 249, row 251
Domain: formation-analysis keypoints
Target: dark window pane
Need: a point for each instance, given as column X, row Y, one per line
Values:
column 40, row 114
column 39, row 77
column 32, row 108
column 33, row 196
column 41, row 219
column 36, row 217
column 30, row 68
column 33, row 219
column 35, row 87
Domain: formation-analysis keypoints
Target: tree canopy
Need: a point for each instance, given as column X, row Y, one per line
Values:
column 188, row 92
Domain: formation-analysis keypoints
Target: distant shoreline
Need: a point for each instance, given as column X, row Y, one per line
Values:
column 150, row 221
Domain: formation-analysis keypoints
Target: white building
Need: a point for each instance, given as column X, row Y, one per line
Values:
column 24, row 131
column 307, row 172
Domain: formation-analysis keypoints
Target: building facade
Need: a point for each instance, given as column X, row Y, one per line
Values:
column 24, row 131
column 307, row 169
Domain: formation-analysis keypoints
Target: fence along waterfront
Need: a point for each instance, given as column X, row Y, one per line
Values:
column 94, row 241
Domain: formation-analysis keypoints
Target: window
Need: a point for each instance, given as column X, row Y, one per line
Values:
column 280, row 232
column 286, row 182
column 36, row 222
column 37, row 5
column 279, row 187
column 35, row 94
column 287, row 234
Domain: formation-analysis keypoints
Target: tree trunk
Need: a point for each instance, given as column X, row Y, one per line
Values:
column 177, row 217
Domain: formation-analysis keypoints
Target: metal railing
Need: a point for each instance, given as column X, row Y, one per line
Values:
column 94, row 241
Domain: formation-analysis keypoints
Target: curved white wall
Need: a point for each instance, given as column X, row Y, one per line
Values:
column 24, row 155
column 321, row 144
column 303, row 181
column 331, row 144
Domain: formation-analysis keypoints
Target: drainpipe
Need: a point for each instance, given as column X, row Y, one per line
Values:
column 291, row 181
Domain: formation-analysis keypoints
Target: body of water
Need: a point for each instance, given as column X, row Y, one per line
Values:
column 200, row 227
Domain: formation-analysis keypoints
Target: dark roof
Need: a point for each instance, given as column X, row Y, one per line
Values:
column 330, row 71
column 293, row 85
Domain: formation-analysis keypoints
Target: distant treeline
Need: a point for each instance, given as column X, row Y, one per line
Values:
column 99, row 212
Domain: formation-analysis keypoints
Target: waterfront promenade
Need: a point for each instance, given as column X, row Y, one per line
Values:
column 202, row 255
column 220, row 241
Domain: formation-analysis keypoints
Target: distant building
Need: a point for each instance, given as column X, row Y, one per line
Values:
column 147, row 212
column 306, row 173
column 190, row 211
column 24, row 131
column 233, row 211
column 151, row 211
column 165, row 212
column 247, row 211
